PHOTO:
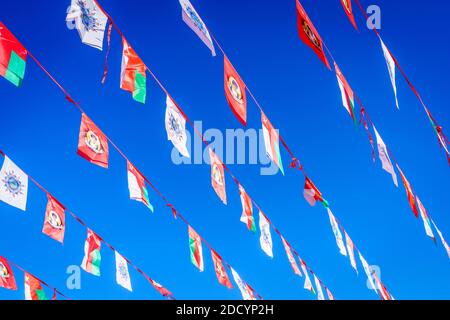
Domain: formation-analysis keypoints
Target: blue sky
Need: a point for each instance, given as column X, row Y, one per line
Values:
column 39, row 132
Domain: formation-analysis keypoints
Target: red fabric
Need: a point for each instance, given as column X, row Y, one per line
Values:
column 9, row 43
column 34, row 285
column 221, row 273
column 235, row 91
column 409, row 193
column 247, row 208
column 347, row 5
column 133, row 64
column 218, row 176
column 309, row 185
column 92, row 143
column 7, row 279
column 55, row 223
column 309, row 34
column 105, row 70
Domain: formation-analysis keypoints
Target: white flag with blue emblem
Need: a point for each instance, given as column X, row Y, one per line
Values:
column 337, row 233
column 176, row 127
column 14, row 185
column 122, row 275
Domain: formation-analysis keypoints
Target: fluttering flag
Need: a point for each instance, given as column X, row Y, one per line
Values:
column 265, row 239
column 92, row 143
column 443, row 141
column 409, row 192
column 426, row 219
column 137, row 187
column 271, row 142
column 247, row 210
column 176, row 127
column 309, row 34
column 350, row 250
column 13, row 57
column 367, row 271
column 92, row 256
column 444, row 243
column 33, row 288
column 329, row 294
column 133, row 76
column 337, row 233
column 218, row 176
column 7, row 279
column 193, row 20
column 312, row 194
column 163, row 291
column 221, row 273
column 319, row 289
column 89, row 20
column 195, row 249
column 347, row 4
column 55, row 221
column 308, row 285
column 246, row 292
column 235, row 91
column 291, row 258
column 384, row 294
column 384, row 157
column 13, row 185
column 122, row 275
column 348, row 97
column 390, row 62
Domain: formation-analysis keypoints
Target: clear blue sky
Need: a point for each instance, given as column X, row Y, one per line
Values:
column 39, row 131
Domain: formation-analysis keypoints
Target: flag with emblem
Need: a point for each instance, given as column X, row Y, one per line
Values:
column 390, row 62
column 351, row 251
column 7, row 279
column 176, row 127
column 246, row 291
column 272, row 142
column 287, row 248
column 347, row 5
column 13, row 57
column 133, row 76
column 92, row 256
column 33, row 288
column 217, row 176
column 13, row 185
column 383, row 154
column 221, row 273
column 308, row 284
column 426, row 219
column 312, row 194
column 409, row 192
column 265, row 239
column 136, row 186
column 235, row 91
column 55, row 221
column 92, row 143
column 247, row 210
column 122, row 275
column 337, row 233
column 348, row 97
column 195, row 249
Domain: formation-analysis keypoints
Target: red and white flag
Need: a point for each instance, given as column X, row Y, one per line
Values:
column 92, row 143
column 384, row 157
column 409, row 192
column 319, row 288
column 235, row 91
column 247, row 210
column 55, row 220
column 312, row 194
column 347, row 4
column 246, row 291
column 308, row 285
column 272, row 142
column 221, row 273
column 337, row 233
column 218, row 176
column 291, row 258
column 7, row 279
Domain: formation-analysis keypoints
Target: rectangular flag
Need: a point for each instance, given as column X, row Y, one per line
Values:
column 271, row 142
column 409, row 192
column 246, row 292
column 235, row 91
column 308, row 285
column 348, row 97
column 92, row 256
column 7, row 279
column 425, row 219
column 347, row 4
column 195, row 249
column 137, row 187
column 368, row 272
column 13, row 56
column 444, row 243
column 217, row 176
column 122, row 275
column 33, row 288
column 390, row 62
column 309, row 34
column 14, row 185
column 92, row 143
column 265, row 238
column 351, row 252
column 291, row 258
column 195, row 22
column 221, row 273
column 337, row 233
column 176, row 127
column 55, row 221
column 133, row 76
column 319, row 289
column 384, row 157
column 90, row 21
column 312, row 194
column 247, row 210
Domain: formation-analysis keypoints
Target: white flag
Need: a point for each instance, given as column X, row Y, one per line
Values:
column 391, row 68
column 319, row 289
column 368, row 271
column 337, row 233
column 13, row 185
column 425, row 219
column 351, row 253
column 176, row 127
column 384, row 157
column 247, row 294
column 122, row 275
column 308, row 284
column 265, row 239
column 444, row 243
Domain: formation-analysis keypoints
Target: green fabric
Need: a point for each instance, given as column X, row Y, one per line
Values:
column 96, row 259
column 140, row 89
column 16, row 69
column 147, row 199
column 41, row 295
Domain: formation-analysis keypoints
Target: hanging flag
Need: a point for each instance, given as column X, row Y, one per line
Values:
column 122, row 275
column 291, row 258
column 409, row 192
column 443, row 141
column 348, row 97
column 444, row 243
column 33, row 288
column 308, row 285
column 426, row 219
column 265, row 238
column 176, row 127
column 247, row 210
column 218, row 176
column 319, row 289
column 309, row 34
column 384, row 294
column 195, row 249
column 13, row 185
column 312, row 194
column 271, row 142
column 329, row 294
column 92, row 257
column 384, row 157
column 235, row 91
column 193, row 20
column 337, row 233
column 163, row 291
column 351, row 252
column 221, row 273
column 133, row 76
column 136, row 186
column 7, row 279
column 246, row 292
column 89, row 20
column 13, row 57
column 92, row 143
column 55, row 221
column 367, row 271
column 347, row 4
column 390, row 62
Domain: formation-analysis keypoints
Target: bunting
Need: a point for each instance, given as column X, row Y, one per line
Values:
column 350, row 250
column 312, row 193
column 308, row 285
column 235, row 91
column 246, row 292
column 195, row 249
column 218, row 176
column 247, row 210
column 176, row 127
column 122, row 274
column 13, row 185
column 390, row 62
column 7, row 279
column 221, row 273
column 291, row 258
column 384, row 157
column 13, row 57
column 271, row 142
column 320, row 295
column 137, row 187
column 55, row 221
column 92, row 257
column 367, row 271
column 337, row 233
column 441, row 236
column 347, row 5
column 265, row 238
column 92, row 143
column 425, row 219
column 133, row 76
column 348, row 97
column 409, row 192
column 33, row 288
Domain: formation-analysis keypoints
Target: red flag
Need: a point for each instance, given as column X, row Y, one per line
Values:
column 13, row 57
column 409, row 192
column 163, row 291
column 235, row 91
column 312, row 193
column 218, row 176
column 92, row 143
column 347, row 4
column 54, row 223
column 247, row 210
column 309, row 34
column 221, row 273
column 7, row 279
